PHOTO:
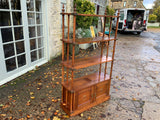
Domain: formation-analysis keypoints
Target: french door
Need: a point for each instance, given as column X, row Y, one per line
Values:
column 21, row 36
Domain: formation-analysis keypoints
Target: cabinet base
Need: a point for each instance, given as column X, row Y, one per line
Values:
column 78, row 111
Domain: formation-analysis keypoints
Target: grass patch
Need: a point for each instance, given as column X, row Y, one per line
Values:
column 153, row 27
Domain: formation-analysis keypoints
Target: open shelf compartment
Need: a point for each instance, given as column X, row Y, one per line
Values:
column 88, row 40
column 86, row 81
column 86, row 62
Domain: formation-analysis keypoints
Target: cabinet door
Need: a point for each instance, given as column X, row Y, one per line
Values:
column 102, row 90
column 84, row 97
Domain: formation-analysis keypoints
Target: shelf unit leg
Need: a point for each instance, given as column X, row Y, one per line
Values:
column 62, row 49
column 114, row 46
column 100, row 66
column 107, row 45
column 68, row 48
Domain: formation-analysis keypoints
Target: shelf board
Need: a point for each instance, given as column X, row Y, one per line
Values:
column 86, row 62
column 86, row 81
column 78, row 14
column 88, row 40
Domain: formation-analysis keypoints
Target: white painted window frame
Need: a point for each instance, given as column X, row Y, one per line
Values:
column 5, row 77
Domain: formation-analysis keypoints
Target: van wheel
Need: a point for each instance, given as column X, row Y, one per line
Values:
column 138, row 33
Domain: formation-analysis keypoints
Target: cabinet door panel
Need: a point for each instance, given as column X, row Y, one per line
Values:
column 84, row 97
column 102, row 89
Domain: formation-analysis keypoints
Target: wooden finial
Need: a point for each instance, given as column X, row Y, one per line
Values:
column 63, row 8
column 75, row 8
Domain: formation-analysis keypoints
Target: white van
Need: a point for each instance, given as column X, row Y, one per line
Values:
column 131, row 20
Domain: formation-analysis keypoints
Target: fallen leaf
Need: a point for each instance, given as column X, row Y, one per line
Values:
column 89, row 118
column 49, row 108
column 10, row 96
column 28, row 116
column 1, row 105
column 52, row 99
column 31, row 93
column 50, row 91
column 39, row 83
column 32, row 97
column 57, row 83
column 81, row 114
column 42, row 112
column 65, row 116
column 134, row 99
column 3, row 115
column 45, row 76
column 5, row 106
column 28, row 104
column 55, row 113
column 56, row 118
column 10, row 118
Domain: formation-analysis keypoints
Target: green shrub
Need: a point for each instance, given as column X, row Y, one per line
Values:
column 85, row 7
column 110, row 11
column 152, row 17
column 156, row 12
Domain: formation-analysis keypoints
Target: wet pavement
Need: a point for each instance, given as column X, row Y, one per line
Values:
column 135, row 87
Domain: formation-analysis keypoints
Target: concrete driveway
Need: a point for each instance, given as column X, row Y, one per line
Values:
column 135, row 87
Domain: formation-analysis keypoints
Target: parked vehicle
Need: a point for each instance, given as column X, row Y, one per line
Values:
column 131, row 20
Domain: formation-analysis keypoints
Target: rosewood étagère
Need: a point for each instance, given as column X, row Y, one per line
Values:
column 83, row 93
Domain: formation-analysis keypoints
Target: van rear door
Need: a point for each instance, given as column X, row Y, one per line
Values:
column 121, row 20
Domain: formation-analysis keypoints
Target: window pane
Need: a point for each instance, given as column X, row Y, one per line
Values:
column 20, row 47
column 32, row 32
column 30, row 5
column 18, row 32
column 40, row 42
column 6, row 35
column 39, row 30
column 31, row 18
column 39, row 18
column 38, row 6
column 17, row 18
column 8, row 50
column 4, row 4
column 121, row 15
column 33, row 56
column 5, row 18
column 15, row 4
column 10, row 64
column 32, row 44
column 41, row 53
column 21, row 60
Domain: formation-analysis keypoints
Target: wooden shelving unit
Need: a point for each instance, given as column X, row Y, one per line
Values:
column 83, row 93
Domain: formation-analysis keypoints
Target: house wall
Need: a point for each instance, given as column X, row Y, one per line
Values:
column 54, row 22
column 129, row 4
